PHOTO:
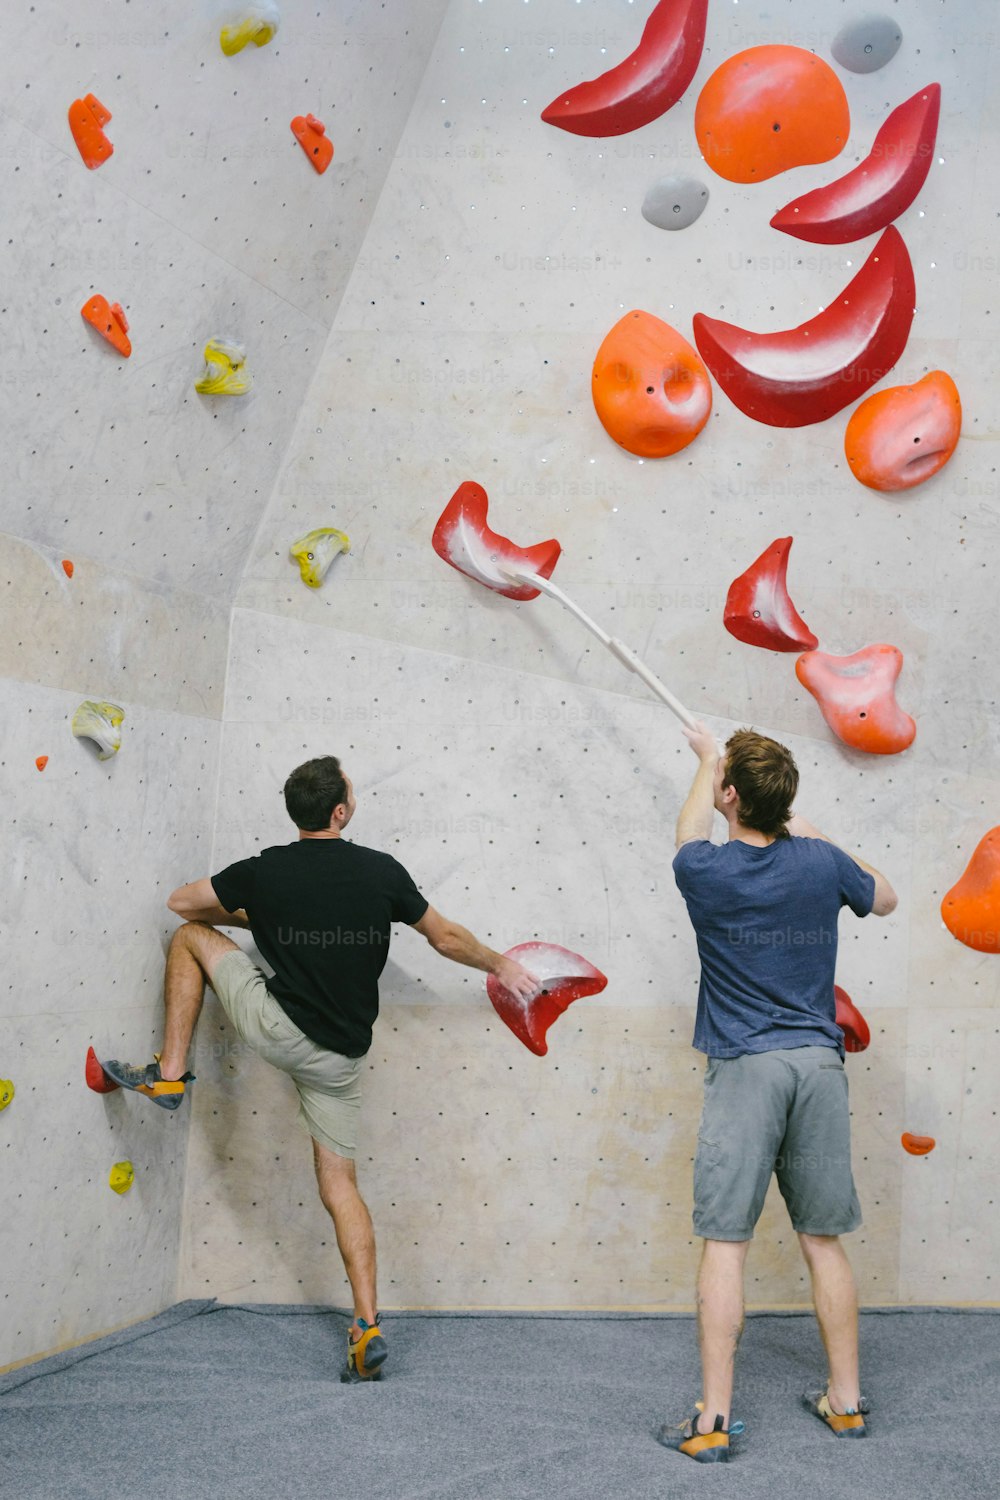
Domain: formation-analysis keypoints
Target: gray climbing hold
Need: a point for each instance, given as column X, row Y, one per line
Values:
column 674, row 202
column 865, row 46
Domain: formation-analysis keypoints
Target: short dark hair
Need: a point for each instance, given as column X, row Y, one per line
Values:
column 313, row 790
column 766, row 779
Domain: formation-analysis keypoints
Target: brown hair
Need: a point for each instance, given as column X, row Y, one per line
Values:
column 766, row 779
column 313, row 790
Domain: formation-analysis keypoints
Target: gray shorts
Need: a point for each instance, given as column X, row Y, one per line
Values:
column 329, row 1086
column 784, row 1112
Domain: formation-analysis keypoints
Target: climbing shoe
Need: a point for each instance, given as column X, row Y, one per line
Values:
column 704, row 1447
column 848, row 1424
column 167, row 1093
column 367, row 1353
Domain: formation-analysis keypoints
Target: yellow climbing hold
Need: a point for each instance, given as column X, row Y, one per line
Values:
column 316, row 551
column 226, row 373
column 100, row 722
column 121, row 1177
column 6, row 1092
column 257, row 24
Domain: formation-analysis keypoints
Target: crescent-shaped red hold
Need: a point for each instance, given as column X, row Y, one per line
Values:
column 646, row 84
column 809, row 373
column 759, row 610
column 880, row 188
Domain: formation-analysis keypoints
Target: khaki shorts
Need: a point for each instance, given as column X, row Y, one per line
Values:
column 784, row 1112
column 329, row 1085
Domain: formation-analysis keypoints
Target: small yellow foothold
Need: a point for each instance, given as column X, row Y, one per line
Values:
column 100, row 722
column 257, row 24
column 315, row 552
column 121, row 1177
column 226, row 373
column 6, row 1092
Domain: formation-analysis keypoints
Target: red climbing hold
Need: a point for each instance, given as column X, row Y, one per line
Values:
column 880, row 188
column 809, row 373
column 87, row 117
column 857, row 697
column 646, row 84
column 311, row 136
column 67, row 567
column 96, row 1077
column 565, row 977
column 758, row 609
column 110, row 322
column 851, row 1022
column 917, row 1145
column 464, row 540
column 971, row 909
column 41, row 761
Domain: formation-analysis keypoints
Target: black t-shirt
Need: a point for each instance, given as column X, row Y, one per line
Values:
column 320, row 912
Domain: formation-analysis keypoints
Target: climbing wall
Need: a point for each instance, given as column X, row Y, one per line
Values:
column 447, row 302
column 530, row 785
column 126, row 521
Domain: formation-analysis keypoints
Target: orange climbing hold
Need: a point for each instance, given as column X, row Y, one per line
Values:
column 899, row 437
column 110, row 322
column 768, row 109
column 87, row 117
column 650, row 388
column 917, row 1145
column 41, row 761
column 971, row 909
column 67, row 567
column 851, row 1022
column 857, row 697
column 311, row 136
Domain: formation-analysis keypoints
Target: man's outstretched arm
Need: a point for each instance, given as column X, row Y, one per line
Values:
column 197, row 902
column 698, row 813
column 458, row 944
column 886, row 899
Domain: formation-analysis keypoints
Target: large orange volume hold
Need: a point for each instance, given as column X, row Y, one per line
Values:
column 899, row 437
column 971, row 909
column 651, row 390
column 857, row 697
column 768, row 109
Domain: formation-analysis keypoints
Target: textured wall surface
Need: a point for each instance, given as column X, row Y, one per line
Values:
column 428, row 312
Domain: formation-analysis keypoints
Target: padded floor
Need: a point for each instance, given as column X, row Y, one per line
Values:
column 213, row 1400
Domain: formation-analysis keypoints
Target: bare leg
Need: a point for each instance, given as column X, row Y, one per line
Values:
column 338, row 1188
column 720, row 1323
column 836, row 1301
column 195, row 949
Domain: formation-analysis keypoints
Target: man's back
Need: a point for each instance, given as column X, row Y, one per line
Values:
column 766, row 922
column 321, row 912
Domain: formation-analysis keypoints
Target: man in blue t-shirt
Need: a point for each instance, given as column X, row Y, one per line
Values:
column 764, row 906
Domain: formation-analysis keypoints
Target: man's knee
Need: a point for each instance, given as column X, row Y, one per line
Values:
column 336, row 1175
column 816, row 1244
column 205, row 944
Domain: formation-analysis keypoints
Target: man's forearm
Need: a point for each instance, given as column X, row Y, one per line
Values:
column 460, row 945
column 217, row 916
column 698, row 813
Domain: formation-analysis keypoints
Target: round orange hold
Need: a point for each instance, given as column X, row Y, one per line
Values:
column 917, row 1145
column 41, row 761
column 769, row 109
column 900, row 437
column 651, row 390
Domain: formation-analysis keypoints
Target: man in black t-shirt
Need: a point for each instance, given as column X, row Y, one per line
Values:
column 320, row 911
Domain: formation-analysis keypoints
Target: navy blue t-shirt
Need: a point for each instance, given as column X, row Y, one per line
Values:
column 766, row 922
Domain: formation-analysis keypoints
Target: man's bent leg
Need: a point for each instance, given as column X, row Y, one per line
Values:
column 720, row 1323
column 836, row 1301
column 194, row 951
column 338, row 1188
